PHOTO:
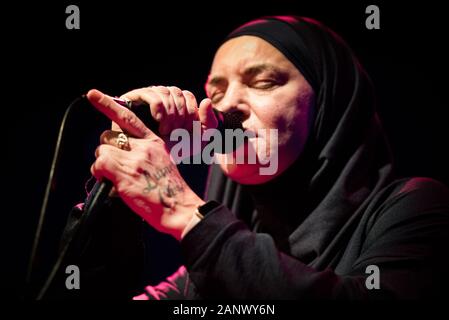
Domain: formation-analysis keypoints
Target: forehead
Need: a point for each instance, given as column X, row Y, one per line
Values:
column 238, row 53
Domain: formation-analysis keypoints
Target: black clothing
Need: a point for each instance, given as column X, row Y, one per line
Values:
column 403, row 231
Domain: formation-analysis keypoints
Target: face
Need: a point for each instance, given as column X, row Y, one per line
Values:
column 250, row 76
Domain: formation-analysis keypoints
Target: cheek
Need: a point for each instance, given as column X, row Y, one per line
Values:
column 293, row 115
column 281, row 115
column 267, row 112
column 285, row 111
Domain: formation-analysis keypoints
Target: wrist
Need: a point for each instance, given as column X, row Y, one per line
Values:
column 199, row 213
column 192, row 223
column 190, row 218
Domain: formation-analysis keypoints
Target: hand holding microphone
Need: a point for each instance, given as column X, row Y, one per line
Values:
column 146, row 178
column 169, row 108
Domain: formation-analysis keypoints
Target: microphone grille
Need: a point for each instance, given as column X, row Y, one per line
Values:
column 231, row 120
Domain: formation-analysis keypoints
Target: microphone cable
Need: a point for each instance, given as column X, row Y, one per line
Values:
column 43, row 211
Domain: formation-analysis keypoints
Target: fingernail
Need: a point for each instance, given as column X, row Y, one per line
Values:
column 158, row 116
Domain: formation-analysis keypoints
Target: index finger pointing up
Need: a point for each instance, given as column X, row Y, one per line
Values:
column 125, row 118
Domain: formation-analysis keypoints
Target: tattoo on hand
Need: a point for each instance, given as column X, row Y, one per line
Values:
column 168, row 191
column 158, row 175
column 150, row 183
column 173, row 188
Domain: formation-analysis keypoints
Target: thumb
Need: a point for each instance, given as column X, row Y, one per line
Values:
column 206, row 115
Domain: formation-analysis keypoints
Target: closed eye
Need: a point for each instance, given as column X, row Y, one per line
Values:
column 216, row 96
column 264, row 84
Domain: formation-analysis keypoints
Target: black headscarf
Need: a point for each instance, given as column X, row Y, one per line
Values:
column 312, row 207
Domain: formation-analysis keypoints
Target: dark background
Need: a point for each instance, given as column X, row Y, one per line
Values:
column 126, row 45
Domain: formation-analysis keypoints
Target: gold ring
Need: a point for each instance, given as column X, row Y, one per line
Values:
column 123, row 141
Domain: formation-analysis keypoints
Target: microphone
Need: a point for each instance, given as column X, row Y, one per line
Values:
column 226, row 120
column 101, row 190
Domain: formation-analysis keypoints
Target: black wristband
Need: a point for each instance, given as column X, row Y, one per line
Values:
column 208, row 207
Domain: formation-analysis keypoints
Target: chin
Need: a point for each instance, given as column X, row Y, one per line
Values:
column 247, row 172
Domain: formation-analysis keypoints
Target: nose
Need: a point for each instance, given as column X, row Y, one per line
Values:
column 235, row 101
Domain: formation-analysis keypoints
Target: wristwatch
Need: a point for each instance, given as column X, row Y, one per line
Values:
column 203, row 210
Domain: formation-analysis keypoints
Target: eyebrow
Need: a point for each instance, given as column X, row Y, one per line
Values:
column 259, row 68
column 250, row 71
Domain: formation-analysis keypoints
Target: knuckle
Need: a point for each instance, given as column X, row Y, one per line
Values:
column 97, row 151
column 153, row 101
column 163, row 90
column 159, row 142
column 192, row 111
column 100, row 150
column 180, row 108
column 127, row 117
column 157, row 103
column 100, row 163
column 176, row 91
column 138, row 165
column 123, row 114
column 134, row 170
column 92, row 169
column 191, row 100
column 148, row 149
column 105, row 136
column 122, row 187
column 130, row 94
column 188, row 94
